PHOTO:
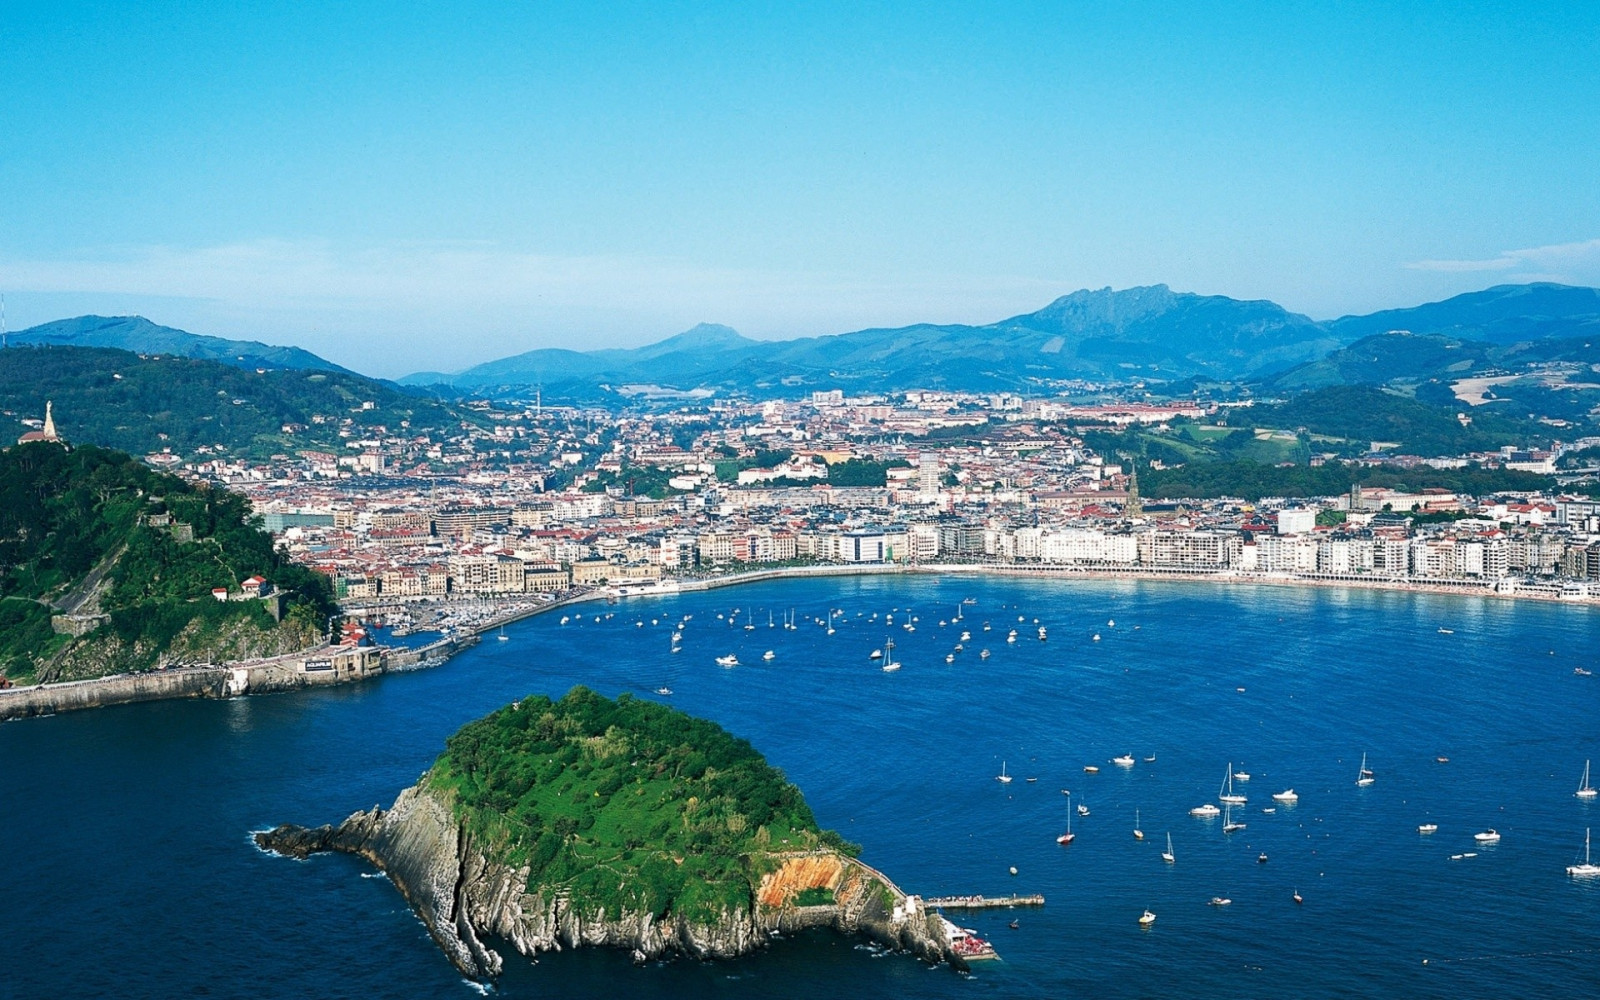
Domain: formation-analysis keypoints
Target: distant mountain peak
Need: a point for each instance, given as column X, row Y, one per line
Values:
column 140, row 335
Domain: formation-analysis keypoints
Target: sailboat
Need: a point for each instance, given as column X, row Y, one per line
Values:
column 1229, row 825
column 1585, row 869
column 888, row 657
column 1138, row 834
column 1003, row 777
column 1585, row 790
column 1067, row 838
column 1168, row 856
column 1364, row 776
column 1225, row 794
column 506, row 638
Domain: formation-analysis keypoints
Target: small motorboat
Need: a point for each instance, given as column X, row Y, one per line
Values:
column 1579, row 671
column 664, row 692
column 1221, row 901
column 731, row 660
column 1447, row 631
column 1287, row 795
column 1428, row 828
column 1206, row 810
column 1091, row 769
column 1083, row 810
column 769, row 655
column 1241, row 776
column 1150, row 759
column 1261, row 858
column 1441, row 760
column 1146, row 919
column 983, row 655
column 1489, row 836
column 876, row 654
column 1126, row 760
column 1297, row 897
column 1096, row 637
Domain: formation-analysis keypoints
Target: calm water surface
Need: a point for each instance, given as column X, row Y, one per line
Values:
column 129, row 873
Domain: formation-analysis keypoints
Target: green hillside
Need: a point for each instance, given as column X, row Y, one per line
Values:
column 136, row 553
column 144, row 403
column 625, row 804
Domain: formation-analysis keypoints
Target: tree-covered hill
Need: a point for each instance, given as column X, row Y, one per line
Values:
column 626, row 804
column 100, row 534
column 144, row 403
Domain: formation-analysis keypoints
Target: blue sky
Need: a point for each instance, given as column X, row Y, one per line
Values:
column 403, row 186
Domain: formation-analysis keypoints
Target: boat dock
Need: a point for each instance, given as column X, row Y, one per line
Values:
column 982, row 902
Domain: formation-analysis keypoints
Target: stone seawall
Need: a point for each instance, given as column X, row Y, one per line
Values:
column 229, row 681
column 48, row 699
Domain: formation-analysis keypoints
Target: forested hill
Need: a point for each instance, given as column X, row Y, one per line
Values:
column 144, row 403
column 627, row 805
column 134, row 554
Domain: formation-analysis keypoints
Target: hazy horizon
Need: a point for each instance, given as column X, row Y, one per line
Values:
column 400, row 190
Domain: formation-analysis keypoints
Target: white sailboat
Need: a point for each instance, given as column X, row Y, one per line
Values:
column 889, row 665
column 1586, row 869
column 1003, row 777
column 1229, row 824
column 1364, row 776
column 1585, row 790
column 1168, row 856
column 1068, row 837
column 1226, row 794
column 1138, row 834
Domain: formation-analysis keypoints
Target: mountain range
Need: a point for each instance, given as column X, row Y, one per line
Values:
column 135, row 333
column 1147, row 334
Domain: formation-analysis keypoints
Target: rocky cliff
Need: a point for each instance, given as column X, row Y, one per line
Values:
column 467, row 897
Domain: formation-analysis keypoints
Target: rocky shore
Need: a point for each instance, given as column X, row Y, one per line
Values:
column 467, row 897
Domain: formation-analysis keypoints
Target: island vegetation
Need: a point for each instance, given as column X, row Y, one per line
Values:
column 134, row 556
column 625, row 805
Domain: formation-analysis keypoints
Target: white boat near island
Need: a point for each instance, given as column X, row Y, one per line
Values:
column 731, row 660
column 1489, row 836
column 1146, row 919
column 1208, row 810
column 1585, row 790
column 1587, row 869
column 1287, row 795
column 1167, row 855
column 1003, row 777
column 1126, row 760
column 1428, row 828
column 1226, row 793
column 1364, row 776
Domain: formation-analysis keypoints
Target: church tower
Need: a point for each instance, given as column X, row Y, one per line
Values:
column 1133, row 508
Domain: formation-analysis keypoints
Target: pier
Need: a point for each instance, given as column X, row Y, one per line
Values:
column 983, row 902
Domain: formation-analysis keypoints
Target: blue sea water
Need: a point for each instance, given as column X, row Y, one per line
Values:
column 128, row 871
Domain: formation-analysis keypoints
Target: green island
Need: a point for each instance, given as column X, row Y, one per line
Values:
column 587, row 821
column 108, row 566
column 627, row 804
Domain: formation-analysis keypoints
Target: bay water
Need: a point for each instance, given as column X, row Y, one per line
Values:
column 129, row 872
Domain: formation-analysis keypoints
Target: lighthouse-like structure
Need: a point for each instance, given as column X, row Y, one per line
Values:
column 46, row 433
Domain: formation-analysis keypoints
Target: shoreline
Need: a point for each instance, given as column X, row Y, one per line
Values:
column 232, row 680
